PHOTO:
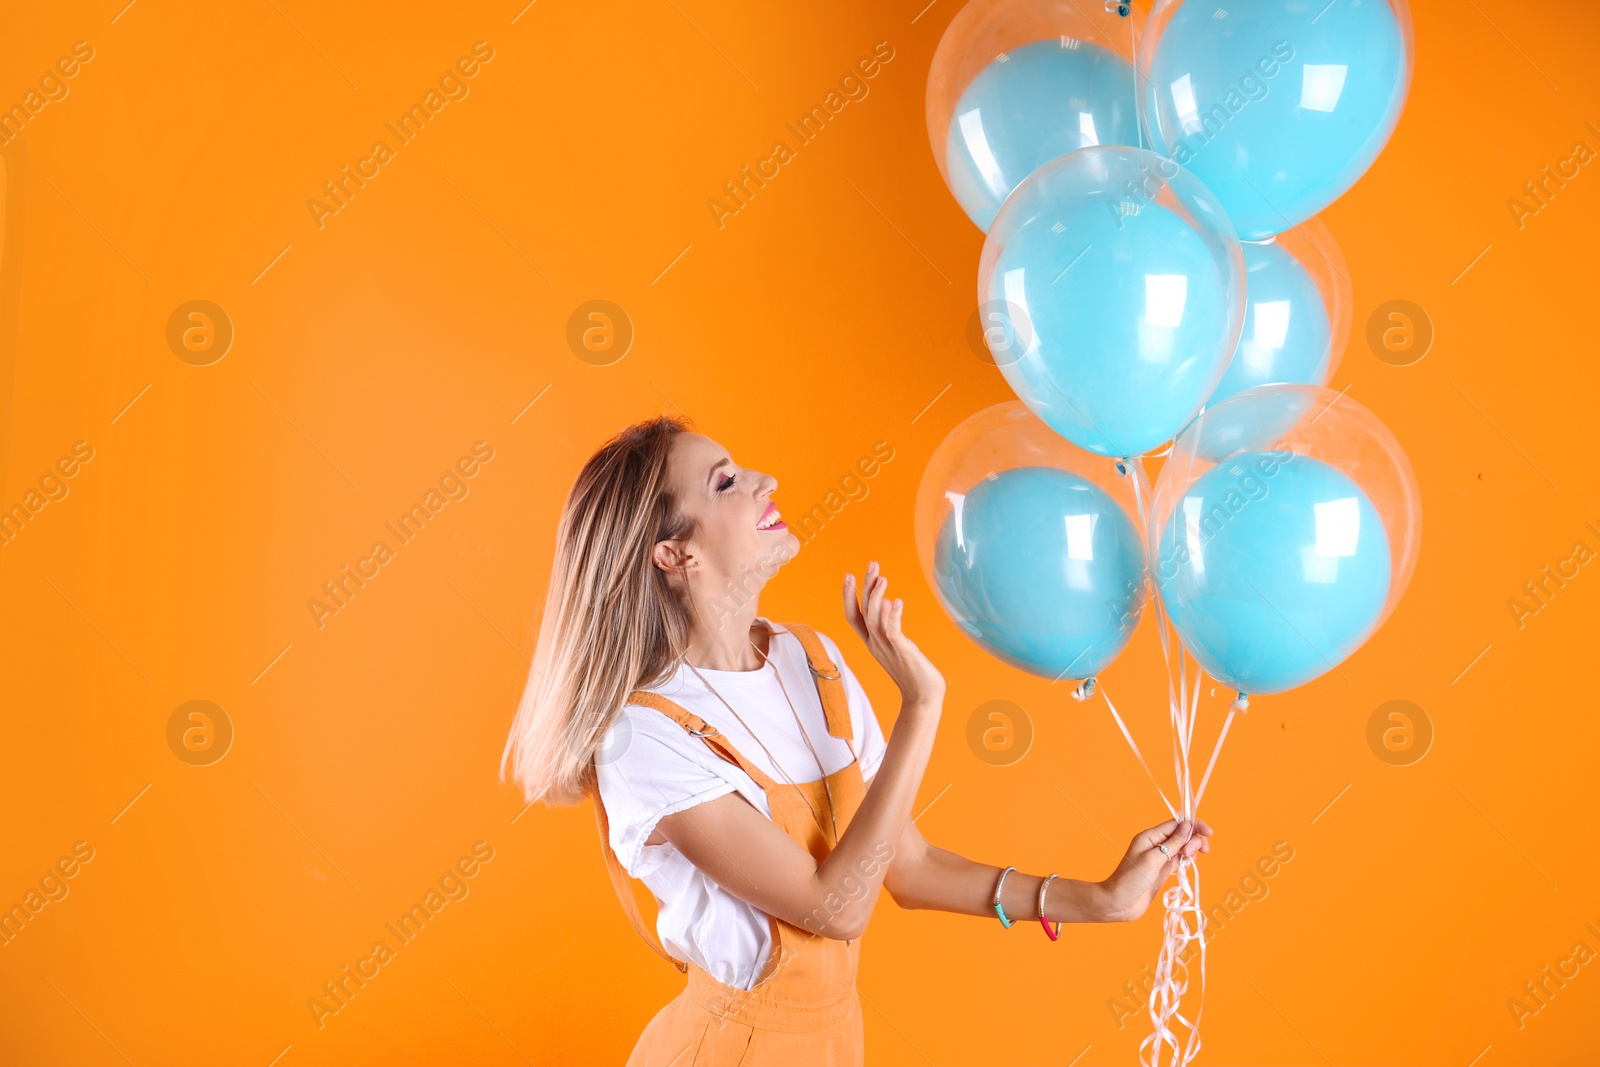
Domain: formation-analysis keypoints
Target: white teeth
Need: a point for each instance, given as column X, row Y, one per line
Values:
column 767, row 522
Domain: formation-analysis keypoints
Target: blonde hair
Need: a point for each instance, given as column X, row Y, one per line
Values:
column 612, row 621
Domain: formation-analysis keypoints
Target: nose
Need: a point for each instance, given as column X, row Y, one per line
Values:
column 768, row 485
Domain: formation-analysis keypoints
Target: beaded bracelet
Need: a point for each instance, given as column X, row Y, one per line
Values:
column 1042, row 921
column 998, row 910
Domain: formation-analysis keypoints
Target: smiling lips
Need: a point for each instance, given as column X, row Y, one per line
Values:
column 770, row 521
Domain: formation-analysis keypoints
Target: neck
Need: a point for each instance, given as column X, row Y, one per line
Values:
column 720, row 640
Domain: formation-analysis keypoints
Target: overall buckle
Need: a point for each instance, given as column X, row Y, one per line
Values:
column 832, row 675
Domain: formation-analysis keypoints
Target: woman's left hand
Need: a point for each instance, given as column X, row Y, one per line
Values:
column 1145, row 867
column 876, row 620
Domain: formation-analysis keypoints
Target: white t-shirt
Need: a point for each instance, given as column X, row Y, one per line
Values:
column 650, row 767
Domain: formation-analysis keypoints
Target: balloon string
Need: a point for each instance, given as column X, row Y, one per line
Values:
column 1191, row 800
column 1175, row 694
column 1133, row 54
column 1180, row 730
column 1183, row 929
column 1144, row 502
column 1144, row 497
column 1175, row 1040
column 1194, row 707
column 1128, row 737
column 1215, row 752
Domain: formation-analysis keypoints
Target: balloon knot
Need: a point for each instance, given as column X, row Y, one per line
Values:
column 1084, row 689
column 1242, row 702
column 1122, row 468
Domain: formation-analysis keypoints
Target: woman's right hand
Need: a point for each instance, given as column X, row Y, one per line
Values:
column 877, row 621
column 1150, row 860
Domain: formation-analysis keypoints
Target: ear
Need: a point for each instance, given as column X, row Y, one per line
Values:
column 671, row 556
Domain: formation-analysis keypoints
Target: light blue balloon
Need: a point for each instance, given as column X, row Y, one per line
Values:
column 1278, row 106
column 1029, row 106
column 1274, row 567
column 1121, row 287
column 1288, row 335
column 1043, row 569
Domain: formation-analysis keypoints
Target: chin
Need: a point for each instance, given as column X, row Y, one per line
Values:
column 782, row 550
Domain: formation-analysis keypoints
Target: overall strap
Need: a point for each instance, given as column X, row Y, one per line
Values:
column 619, row 882
column 698, row 727
column 829, row 679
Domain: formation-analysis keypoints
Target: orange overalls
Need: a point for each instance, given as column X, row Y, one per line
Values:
column 804, row 1009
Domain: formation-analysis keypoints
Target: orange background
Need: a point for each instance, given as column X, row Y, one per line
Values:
column 826, row 315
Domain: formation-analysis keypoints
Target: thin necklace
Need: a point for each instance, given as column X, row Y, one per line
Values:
column 828, row 789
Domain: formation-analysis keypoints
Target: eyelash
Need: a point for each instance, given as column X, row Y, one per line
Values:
column 728, row 484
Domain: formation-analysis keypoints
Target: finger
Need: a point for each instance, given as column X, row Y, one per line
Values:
column 896, row 617
column 1201, row 828
column 880, row 609
column 852, row 608
column 1178, row 844
column 1154, row 836
column 853, row 605
column 871, row 605
column 1174, row 841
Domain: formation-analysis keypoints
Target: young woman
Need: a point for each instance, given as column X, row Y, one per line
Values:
column 740, row 772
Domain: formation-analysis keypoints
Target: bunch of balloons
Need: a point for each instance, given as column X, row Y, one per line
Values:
column 1153, row 285
column 1152, row 273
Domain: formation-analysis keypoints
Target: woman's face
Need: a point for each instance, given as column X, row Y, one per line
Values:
column 738, row 532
